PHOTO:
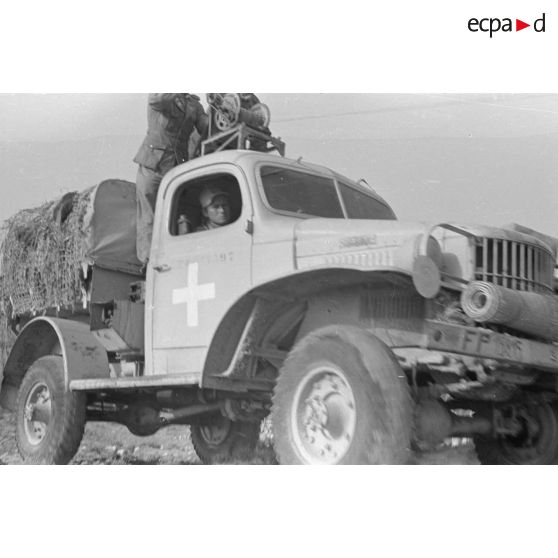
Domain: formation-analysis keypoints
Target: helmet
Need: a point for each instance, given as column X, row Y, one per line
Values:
column 209, row 193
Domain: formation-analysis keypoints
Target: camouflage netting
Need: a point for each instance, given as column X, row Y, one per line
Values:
column 41, row 255
column 43, row 251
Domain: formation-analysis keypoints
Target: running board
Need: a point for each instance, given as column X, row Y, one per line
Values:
column 98, row 384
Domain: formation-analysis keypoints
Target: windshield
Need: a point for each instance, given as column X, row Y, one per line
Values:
column 309, row 194
column 297, row 192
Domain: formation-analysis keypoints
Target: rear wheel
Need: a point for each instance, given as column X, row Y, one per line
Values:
column 221, row 440
column 536, row 444
column 49, row 419
column 341, row 398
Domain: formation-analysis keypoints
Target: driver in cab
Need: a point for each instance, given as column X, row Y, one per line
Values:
column 216, row 209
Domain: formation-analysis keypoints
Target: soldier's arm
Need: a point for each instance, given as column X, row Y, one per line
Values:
column 248, row 100
column 163, row 102
column 202, row 121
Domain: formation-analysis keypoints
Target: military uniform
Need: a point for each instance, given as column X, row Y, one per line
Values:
column 171, row 119
column 207, row 226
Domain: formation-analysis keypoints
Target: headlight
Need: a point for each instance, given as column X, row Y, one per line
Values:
column 426, row 267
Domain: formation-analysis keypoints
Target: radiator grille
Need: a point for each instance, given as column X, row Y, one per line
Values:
column 515, row 265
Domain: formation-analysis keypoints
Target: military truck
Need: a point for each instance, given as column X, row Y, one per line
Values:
column 364, row 338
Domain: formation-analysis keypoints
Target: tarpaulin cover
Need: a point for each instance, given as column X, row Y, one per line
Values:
column 112, row 226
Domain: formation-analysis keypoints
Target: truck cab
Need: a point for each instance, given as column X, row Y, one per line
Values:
column 194, row 279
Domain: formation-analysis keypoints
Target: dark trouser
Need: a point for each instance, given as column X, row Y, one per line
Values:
column 147, row 183
column 147, row 186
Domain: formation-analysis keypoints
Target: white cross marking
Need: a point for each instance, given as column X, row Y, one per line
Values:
column 193, row 294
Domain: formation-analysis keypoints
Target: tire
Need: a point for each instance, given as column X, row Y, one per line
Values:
column 224, row 441
column 53, row 438
column 342, row 398
column 539, row 449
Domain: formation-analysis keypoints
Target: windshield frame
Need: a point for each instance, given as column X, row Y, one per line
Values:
column 316, row 173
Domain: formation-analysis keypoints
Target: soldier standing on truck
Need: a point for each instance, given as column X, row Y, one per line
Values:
column 171, row 119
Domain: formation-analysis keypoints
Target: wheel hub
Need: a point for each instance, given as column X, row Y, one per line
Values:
column 216, row 433
column 324, row 416
column 37, row 413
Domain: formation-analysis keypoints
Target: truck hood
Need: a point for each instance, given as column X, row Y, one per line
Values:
column 382, row 244
column 353, row 242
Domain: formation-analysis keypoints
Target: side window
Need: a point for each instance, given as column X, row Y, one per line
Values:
column 205, row 203
column 361, row 206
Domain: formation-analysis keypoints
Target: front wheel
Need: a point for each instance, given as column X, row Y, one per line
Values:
column 341, row 398
column 220, row 440
column 49, row 419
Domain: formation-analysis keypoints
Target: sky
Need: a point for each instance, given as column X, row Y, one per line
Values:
column 474, row 158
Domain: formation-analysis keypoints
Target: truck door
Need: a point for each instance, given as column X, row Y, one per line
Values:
column 196, row 275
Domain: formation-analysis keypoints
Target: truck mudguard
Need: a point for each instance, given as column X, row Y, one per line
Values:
column 84, row 357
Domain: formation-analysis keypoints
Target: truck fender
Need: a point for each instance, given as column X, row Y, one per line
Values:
column 83, row 356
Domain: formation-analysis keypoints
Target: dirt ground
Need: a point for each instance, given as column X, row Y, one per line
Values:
column 112, row 444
